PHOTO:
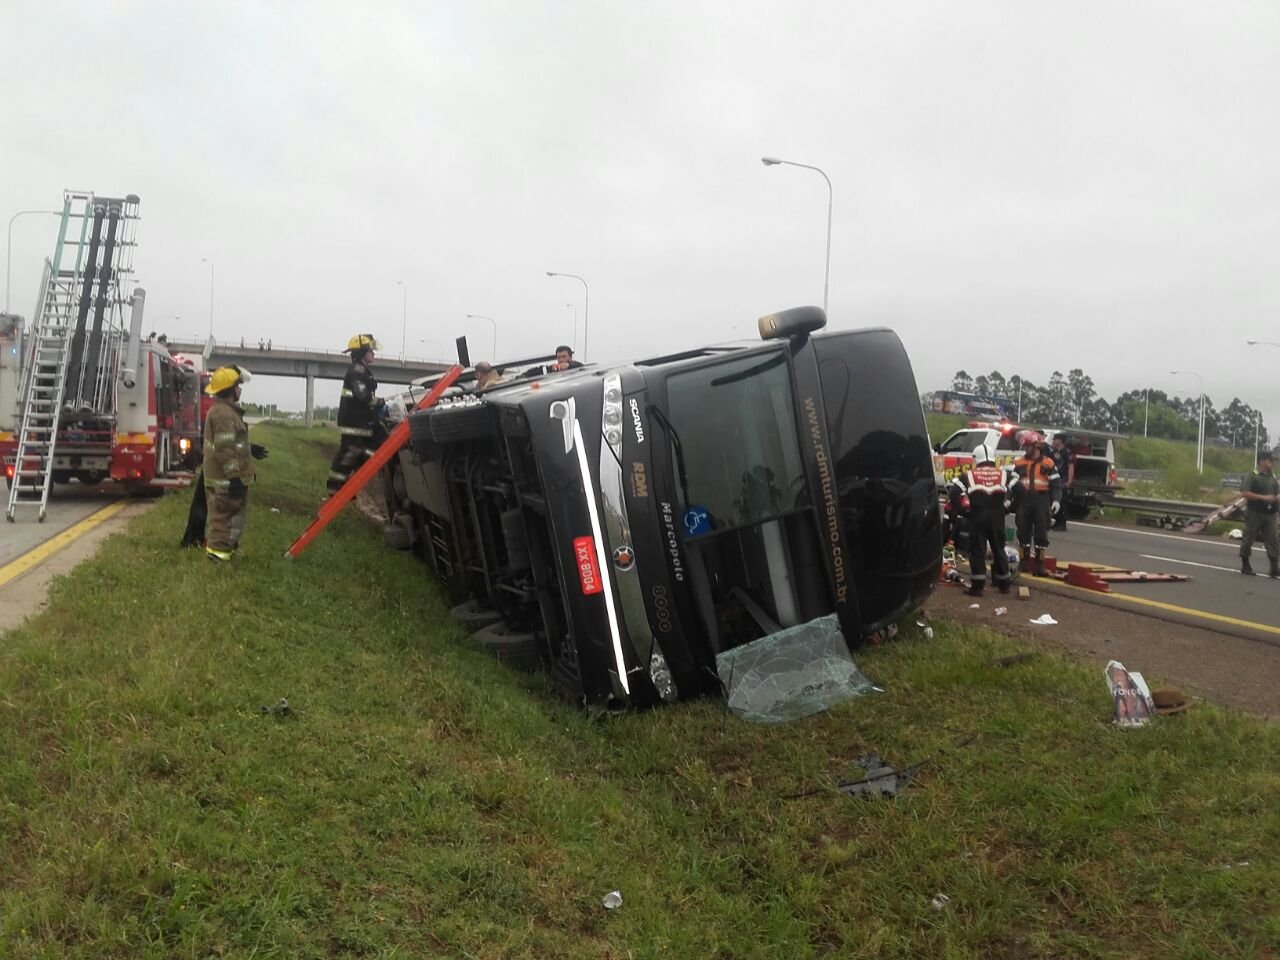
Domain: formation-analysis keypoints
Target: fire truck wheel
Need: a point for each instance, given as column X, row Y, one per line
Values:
column 62, row 476
column 475, row 617
column 456, row 424
column 519, row 650
column 1077, row 511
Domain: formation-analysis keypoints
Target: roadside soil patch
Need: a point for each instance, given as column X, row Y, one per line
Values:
column 1239, row 673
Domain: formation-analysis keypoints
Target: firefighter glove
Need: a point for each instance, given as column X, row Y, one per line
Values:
column 1008, row 505
column 236, row 487
column 1053, row 508
column 964, row 503
column 258, row 451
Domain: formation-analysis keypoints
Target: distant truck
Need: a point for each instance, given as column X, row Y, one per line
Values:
column 1095, row 471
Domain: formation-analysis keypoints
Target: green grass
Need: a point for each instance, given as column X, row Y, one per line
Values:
column 1151, row 453
column 424, row 801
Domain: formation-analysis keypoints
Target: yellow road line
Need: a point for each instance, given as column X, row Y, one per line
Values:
column 1169, row 607
column 37, row 555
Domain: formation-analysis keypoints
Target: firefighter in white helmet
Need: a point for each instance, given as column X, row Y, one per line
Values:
column 228, row 463
column 982, row 495
column 359, row 412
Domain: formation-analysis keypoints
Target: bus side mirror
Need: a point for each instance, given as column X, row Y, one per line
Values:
column 798, row 321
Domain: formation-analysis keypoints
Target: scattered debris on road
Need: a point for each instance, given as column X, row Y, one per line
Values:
column 1045, row 620
column 1130, row 699
column 1169, row 700
column 280, row 708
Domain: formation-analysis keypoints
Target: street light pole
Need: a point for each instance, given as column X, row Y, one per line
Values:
column 209, row 261
column 1200, row 439
column 404, row 315
column 1146, row 409
column 574, row 307
column 826, row 279
column 586, row 308
column 8, row 253
column 481, row 316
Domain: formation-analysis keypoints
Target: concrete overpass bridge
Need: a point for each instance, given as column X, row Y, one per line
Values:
column 307, row 364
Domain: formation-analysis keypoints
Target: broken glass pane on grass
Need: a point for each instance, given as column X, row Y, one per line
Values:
column 791, row 674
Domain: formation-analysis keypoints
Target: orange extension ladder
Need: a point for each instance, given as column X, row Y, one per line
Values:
column 356, row 482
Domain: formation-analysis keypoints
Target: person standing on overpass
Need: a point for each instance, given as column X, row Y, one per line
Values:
column 358, row 412
column 1262, row 491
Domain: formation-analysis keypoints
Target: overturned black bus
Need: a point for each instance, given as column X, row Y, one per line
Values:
column 625, row 524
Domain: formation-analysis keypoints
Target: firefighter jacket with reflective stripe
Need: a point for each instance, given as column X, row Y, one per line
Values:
column 358, row 408
column 986, row 486
column 1038, row 476
column 226, row 446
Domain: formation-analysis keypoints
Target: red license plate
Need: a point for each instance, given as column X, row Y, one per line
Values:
column 584, row 554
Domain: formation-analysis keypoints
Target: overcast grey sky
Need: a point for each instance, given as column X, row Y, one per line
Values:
column 1019, row 186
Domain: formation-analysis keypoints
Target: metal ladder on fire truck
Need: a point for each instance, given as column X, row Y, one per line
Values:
column 56, row 353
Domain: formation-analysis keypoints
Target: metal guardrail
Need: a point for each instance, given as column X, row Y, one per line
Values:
column 1232, row 481
column 1154, row 505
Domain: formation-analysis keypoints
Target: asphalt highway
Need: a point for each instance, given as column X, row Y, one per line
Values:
column 1216, row 589
column 68, row 505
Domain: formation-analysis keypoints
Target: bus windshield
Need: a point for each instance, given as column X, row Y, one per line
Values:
column 738, row 457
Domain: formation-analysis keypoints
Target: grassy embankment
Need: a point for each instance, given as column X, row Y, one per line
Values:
column 422, row 800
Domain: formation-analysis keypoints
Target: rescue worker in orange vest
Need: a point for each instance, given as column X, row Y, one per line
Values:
column 228, row 463
column 359, row 412
column 1038, row 497
column 983, row 495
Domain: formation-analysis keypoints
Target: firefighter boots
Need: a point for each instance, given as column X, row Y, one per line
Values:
column 1005, row 586
column 1246, row 567
column 1040, row 571
column 1275, row 569
column 974, row 591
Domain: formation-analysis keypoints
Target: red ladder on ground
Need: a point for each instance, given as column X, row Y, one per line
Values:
column 356, row 482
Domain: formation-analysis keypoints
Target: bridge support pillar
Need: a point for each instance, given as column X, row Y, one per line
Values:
column 309, row 416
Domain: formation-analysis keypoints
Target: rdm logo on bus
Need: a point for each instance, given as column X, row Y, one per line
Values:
column 584, row 555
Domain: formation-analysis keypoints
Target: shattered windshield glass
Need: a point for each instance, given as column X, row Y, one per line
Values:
column 791, row 674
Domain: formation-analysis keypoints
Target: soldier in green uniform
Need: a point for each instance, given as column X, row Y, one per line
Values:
column 1262, row 492
column 228, row 463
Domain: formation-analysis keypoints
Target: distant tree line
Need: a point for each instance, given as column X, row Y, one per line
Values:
column 1073, row 400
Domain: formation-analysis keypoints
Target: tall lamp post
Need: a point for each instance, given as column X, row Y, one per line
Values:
column 586, row 308
column 209, row 261
column 574, row 308
column 1200, row 440
column 8, row 253
column 481, row 316
column 826, row 279
column 404, row 314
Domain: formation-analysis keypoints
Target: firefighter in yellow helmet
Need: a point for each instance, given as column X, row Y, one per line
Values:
column 360, row 412
column 228, row 463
